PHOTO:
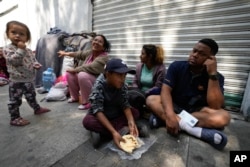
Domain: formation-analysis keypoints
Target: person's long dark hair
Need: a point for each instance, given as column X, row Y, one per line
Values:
column 106, row 45
column 155, row 53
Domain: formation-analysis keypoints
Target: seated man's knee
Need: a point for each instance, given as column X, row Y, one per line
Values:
column 218, row 118
column 227, row 117
column 224, row 116
column 152, row 100
column 148, row 101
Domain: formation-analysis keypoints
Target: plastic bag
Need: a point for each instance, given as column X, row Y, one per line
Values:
column 146, row 144
column 57, row 92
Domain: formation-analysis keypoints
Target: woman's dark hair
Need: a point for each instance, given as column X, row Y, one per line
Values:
column 155, row 53
column 20, row 24
column 106, row 45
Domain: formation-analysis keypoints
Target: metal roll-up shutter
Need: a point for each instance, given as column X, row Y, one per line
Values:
column 177, row 25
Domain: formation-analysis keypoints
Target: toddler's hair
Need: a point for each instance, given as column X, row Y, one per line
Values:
column 20, row 24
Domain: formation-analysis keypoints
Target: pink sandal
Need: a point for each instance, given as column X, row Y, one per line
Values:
column 84, row 106
column 41, row 110
column 19, row 122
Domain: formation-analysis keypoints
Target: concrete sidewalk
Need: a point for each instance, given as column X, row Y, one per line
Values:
column 58, row 139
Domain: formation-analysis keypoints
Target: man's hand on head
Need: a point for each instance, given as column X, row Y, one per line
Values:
column 211, row 65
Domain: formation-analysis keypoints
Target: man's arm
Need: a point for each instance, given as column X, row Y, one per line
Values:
column 167, row 103
column 215, row 98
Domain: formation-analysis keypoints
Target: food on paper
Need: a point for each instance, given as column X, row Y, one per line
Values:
column 130, row 143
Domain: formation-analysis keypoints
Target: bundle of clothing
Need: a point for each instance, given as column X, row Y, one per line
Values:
column 55, row 40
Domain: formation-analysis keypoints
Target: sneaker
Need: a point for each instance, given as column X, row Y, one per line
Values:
column 84, row 106
column 41, row 111
column 154, row 121
column 95, row 139
column 208, row 135
column 143, row 130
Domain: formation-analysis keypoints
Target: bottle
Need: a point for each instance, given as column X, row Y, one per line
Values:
column 48, row 79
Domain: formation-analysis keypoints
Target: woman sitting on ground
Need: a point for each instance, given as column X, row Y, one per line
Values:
column 150, row 72
column 149, row 77
column 90, row 64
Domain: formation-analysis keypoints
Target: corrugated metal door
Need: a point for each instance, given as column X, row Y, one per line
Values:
column 177, row 25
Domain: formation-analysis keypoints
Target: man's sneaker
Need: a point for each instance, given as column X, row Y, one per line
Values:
column 95, row 139
column 155, row 122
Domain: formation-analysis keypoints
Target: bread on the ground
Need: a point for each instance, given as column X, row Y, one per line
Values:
column 130, row 144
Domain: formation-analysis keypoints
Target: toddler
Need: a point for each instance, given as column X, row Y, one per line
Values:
column 21, row 65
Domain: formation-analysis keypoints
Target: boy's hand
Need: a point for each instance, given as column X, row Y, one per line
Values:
column 117, row 139
column 133, row 130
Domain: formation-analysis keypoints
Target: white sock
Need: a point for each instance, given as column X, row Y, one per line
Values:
column 195, row 131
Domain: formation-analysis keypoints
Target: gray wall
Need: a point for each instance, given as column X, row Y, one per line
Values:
column 177, row 25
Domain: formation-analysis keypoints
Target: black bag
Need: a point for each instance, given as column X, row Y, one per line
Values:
column 137, row 99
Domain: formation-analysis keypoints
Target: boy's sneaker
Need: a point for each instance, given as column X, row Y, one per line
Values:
column 143, row 130
column 96, row 139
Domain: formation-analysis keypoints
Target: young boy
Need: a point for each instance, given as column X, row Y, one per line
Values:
column 110, row 111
